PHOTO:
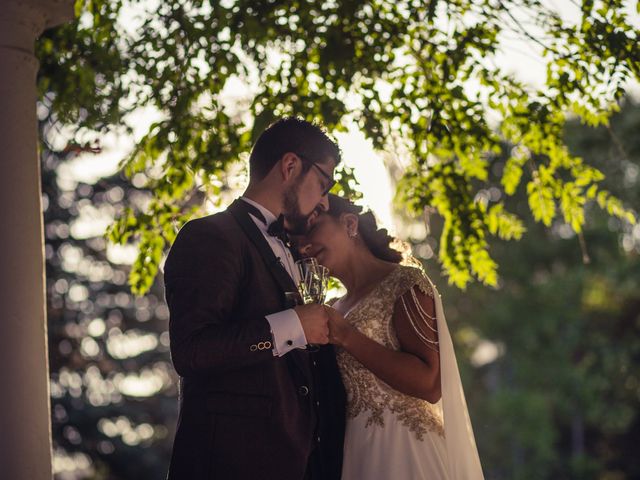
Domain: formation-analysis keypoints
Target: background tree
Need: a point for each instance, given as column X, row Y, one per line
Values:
column 549, row 357
column 552, row 352
column 112, row 385
column 486, row 151
column 419, row 71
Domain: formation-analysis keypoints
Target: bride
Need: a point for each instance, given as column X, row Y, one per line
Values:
column 406, row 415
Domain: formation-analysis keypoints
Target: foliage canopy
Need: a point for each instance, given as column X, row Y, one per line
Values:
column 417, row 77
column 557, row 397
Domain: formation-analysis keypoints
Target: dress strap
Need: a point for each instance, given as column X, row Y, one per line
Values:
column 423, row 324
column 420, row 321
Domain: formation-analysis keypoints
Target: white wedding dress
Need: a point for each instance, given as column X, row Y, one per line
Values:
column 393, row 436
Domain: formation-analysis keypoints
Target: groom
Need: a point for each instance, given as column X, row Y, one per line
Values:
column 255, row 401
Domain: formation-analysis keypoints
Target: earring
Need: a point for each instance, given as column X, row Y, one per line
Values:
column 353, row 234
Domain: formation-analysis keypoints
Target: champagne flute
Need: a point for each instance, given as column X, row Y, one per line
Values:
column 314, row 279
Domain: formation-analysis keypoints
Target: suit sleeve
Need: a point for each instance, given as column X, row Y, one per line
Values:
column 203, row 279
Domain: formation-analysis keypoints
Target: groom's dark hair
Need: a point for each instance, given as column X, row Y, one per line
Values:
column 291, row 134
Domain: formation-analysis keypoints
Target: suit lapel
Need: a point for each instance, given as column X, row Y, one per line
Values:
column 280, row 274
column 296, row 360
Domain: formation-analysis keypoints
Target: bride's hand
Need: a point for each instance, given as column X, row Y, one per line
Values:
column 339, row 329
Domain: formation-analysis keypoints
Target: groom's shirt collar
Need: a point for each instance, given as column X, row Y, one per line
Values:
column 268, row 216
column 277, row 245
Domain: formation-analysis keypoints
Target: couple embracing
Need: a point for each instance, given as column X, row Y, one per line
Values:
column 364, row 389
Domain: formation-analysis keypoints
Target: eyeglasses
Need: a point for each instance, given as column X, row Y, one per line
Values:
column 330, row 181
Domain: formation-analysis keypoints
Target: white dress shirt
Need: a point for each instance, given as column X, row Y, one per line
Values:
column 285, row 325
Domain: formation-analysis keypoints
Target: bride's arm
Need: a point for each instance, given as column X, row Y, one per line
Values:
column 415, row 369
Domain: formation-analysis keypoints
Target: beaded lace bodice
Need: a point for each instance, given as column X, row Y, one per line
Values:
column 367, row 394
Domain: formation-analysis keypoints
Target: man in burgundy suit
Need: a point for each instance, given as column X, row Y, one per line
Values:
column 256, row 400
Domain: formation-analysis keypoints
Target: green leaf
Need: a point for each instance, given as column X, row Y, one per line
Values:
column 512, row 174
column 214, row 78
column 541, row 201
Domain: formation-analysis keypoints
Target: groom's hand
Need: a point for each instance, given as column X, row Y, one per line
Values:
column 314, row 320
column 340, row 330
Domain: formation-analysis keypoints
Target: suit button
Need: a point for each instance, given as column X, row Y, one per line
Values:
column 289, row 342
column 303, row 390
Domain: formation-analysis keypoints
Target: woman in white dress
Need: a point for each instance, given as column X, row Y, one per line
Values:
column 406, row 412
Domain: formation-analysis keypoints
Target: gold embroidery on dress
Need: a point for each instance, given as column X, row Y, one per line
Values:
column 366, row 393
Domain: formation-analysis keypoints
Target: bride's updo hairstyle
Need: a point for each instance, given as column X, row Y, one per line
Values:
column 376, row 239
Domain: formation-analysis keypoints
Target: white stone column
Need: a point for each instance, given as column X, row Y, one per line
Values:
column 25, row 427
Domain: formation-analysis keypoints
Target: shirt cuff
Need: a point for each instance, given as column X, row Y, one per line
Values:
column 287, row 332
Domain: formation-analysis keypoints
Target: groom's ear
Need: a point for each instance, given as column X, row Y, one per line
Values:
column 289, row 165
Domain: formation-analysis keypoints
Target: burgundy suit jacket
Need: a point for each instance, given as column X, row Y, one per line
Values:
column 243, row 412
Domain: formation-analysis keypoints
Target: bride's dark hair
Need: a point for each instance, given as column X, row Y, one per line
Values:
column 376, row 239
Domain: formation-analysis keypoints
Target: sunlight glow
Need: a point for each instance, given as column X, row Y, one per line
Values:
column 131, row 434
column 122, row 254
column 130, row 344
column 145, row 383
column 369, row 170
column 72, row 465
column 486, row 352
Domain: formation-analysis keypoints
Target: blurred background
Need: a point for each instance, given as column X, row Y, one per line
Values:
column 550, row 358
column 549, row 355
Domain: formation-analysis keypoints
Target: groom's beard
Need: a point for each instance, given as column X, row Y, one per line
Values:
column 297, row 222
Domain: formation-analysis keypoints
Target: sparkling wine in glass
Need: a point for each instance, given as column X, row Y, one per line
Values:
column 313, row 280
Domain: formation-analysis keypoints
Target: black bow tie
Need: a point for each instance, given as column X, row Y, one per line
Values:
column 275, row 229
